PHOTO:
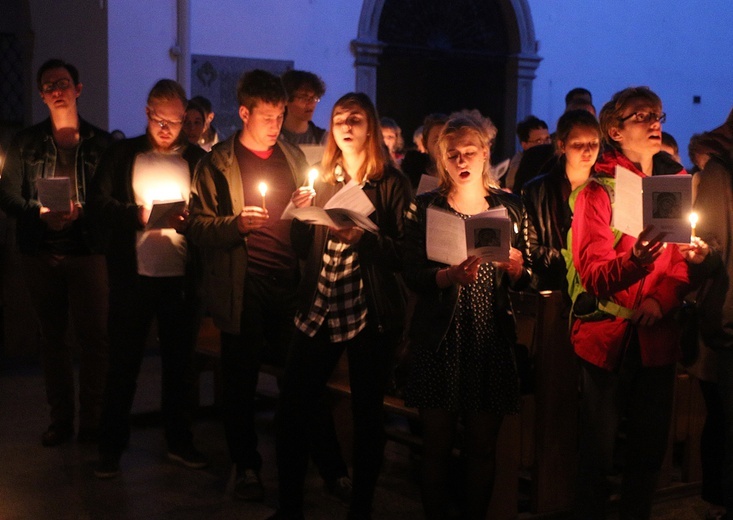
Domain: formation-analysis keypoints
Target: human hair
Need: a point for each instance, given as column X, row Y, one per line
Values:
column 430, row 121
column 669, row 140
column 610, row 116
column 458, row 126
column 258, row 86
column 375, row 161
column 167, row 90
column 56, row 63
column 581, row 104
column 295, row 79
column 194, row 105
column 388, row 122
column 572, row 119
column 204, row 103
column 486, row 123
column 578, row 92
column 525, row 127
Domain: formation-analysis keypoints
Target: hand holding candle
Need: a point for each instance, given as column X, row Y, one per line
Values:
column 263, row 190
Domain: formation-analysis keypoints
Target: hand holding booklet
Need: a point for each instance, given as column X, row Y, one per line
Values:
column 664, row 201
column 451, row 239
column 347, row 208
column 162, row 212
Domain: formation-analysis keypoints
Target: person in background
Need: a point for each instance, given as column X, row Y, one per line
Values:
column 349, row 300
column 462, row 331
column 150, row 276
column 194, row 123
column 417, row 139
column 578, row 95
column 392, row 135
column 531, row 132
column 209, row 137
column 545, row 198
column 669, row 145
column 628, row 361
column 62, row 263
column 714, row 367
column 305, row 90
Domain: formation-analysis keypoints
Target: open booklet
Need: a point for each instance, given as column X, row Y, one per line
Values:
column 53, row 193
column 347, row 208
column 162, row 212
column 664, row 201
column 451, row 239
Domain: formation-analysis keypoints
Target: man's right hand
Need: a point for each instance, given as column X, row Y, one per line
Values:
column 646, row 249
column 252, row 217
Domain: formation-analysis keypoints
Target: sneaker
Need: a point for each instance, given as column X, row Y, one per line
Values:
column 340, row 488
column 57, row 434
column 108, row 466
column 248, row 487
column 188, row 456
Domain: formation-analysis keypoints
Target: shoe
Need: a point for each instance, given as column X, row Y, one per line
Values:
column 188, row 456
column 88, row 436
column 108, row 466
column 340, row 488
column 57, row 434
column 248, row 487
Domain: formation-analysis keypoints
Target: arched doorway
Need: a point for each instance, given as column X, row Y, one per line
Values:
column 420, row 56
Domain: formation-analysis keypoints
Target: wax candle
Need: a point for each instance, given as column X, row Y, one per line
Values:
column 263, row 190
column 693, row 223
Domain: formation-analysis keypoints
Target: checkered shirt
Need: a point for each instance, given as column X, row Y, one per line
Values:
column 340, row 300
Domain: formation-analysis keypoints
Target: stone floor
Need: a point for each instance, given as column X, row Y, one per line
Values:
column 58, row 484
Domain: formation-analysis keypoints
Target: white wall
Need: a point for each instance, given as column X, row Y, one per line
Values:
column 140, row 36
column 679, row 49
column 315, row 34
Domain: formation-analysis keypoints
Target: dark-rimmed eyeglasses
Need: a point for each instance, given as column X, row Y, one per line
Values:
column 163, row 123
column 645, row 117
column 51, row 86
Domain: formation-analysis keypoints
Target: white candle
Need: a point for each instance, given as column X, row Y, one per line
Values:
column 263, row 190
column 693, row 223
column 312, row 176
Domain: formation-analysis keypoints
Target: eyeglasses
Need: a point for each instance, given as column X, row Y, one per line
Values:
column 541, row 140
column 61, row 85
column 307, row 99
column 163, row 123
column 645, row 117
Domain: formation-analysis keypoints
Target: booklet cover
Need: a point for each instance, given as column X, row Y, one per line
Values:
column 53, row 193
column 450, row 239
column 162, row 212
column 664, row 201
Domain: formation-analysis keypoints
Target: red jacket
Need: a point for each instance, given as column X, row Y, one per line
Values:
column 610, row 272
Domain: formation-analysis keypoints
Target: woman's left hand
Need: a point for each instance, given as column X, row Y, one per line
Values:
column 515, row 266
column 350, row 235
column 302, row 196
column 696, row 251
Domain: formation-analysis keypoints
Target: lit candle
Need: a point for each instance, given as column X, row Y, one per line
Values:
column 312, row 176
column 693, row 223
column 263, row 190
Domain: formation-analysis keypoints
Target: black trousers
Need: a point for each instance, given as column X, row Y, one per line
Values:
column 131, row 311
column 644, row 396
column 310, row 363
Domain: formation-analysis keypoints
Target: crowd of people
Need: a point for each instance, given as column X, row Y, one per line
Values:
column 174, row 226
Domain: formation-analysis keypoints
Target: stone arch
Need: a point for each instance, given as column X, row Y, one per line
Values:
column 522, row 59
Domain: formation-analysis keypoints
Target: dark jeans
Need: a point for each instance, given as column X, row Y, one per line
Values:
column 712, row 445
column 310, row 363
column 63, row 286
column 132, row 309
column 644, row 396
column 725, row 390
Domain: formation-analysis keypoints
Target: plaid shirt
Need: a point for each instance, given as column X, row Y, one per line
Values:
column 339, row 295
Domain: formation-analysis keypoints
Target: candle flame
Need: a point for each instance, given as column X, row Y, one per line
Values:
column 263, row 188
column 693, row 219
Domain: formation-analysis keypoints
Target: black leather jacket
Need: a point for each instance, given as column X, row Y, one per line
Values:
column 435, row 307
column 547, row 221
column 32, row 156
column 380, row 256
